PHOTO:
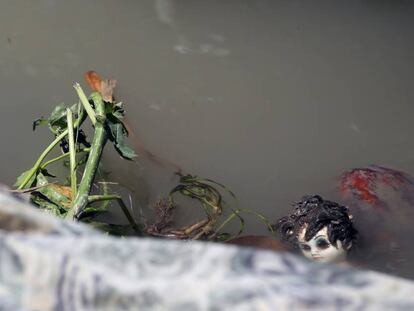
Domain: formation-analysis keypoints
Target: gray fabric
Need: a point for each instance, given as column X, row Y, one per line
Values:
column 48, row 264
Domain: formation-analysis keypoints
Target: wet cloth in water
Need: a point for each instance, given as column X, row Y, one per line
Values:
column 48, row 264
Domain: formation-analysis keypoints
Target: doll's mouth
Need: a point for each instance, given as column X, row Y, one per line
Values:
column 317, row 257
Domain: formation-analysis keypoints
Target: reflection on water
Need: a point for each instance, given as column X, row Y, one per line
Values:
column 275, row 99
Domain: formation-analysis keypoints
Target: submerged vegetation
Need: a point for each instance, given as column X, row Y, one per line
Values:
column 75, row 199
column 207, row 193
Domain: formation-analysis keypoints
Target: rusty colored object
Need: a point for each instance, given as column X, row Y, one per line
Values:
column 93, row 80
column 104, row 87
column 375, row 185
column 259, row 241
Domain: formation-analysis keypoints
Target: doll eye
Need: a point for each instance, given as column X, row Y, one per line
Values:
column 322, row 244
column 305, row 247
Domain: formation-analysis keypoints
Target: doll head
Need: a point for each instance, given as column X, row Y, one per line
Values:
column 321, row 229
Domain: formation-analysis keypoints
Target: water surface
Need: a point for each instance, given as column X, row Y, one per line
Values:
column 275, row 99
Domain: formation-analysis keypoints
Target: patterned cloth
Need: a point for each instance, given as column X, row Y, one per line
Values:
column 48, row 264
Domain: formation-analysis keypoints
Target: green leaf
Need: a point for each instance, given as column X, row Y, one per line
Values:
column 118, row 111
column 117, row 134
column 22, row 177
column 41, row 180
column 58, row 120
column 39, row 122
column 45, row 204
column 54, row 193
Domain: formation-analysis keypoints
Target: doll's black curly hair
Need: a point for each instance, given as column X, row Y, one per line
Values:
column 316, row 213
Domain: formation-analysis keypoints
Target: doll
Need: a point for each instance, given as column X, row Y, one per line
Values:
column 321, row 229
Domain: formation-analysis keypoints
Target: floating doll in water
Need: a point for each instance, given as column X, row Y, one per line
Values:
column 321, row 229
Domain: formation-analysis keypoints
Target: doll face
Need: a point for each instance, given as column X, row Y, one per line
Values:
column 319, row 248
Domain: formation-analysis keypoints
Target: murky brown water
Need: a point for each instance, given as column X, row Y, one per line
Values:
column 275, row 99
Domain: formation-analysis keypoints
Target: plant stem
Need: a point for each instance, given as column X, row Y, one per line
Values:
column 85, row 102
column 47, row 151
column 62, row 156
column 98, row 143
column 105, row 192
column 97, row 198
column 234, row 214
column 72, row 152
column 260, row 217
column 41, row 158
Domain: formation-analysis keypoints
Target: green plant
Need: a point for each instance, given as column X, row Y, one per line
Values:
column 207, row 193
column 75, row 201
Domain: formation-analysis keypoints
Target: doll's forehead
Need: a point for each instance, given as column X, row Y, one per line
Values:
column 302, row 232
